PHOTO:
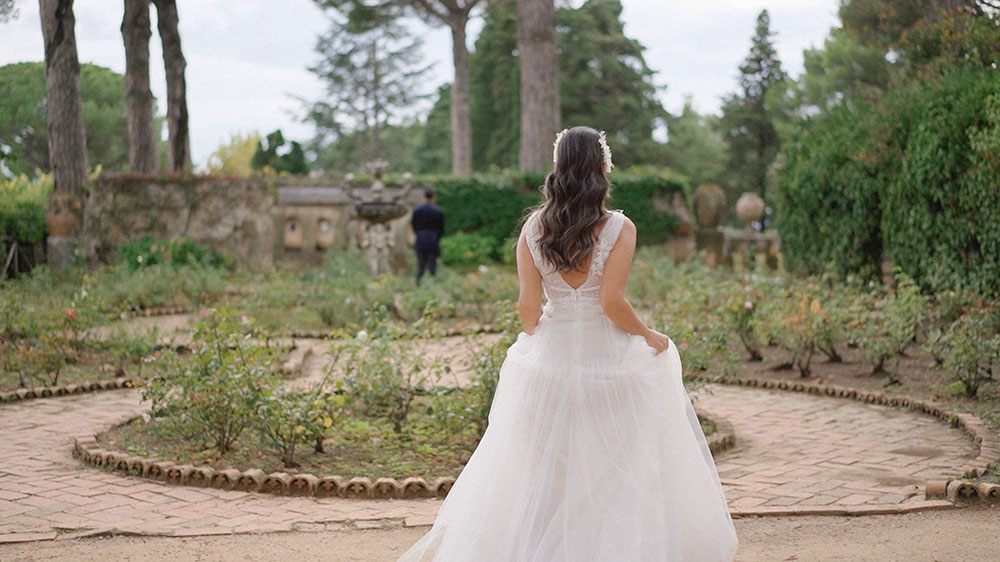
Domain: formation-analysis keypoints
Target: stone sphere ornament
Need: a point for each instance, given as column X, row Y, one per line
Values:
column 750, row 208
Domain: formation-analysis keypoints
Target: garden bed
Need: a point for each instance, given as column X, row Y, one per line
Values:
column 367, row 448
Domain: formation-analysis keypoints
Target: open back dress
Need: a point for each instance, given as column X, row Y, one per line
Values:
column 593, row 452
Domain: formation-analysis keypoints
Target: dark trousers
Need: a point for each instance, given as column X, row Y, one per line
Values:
column 426, row 260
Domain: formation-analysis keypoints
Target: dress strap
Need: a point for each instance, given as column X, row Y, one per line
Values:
column 606, row 242
column 532, row 233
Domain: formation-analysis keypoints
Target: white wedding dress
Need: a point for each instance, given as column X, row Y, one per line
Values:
column 593, row 452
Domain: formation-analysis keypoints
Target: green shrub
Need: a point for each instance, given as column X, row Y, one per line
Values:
column 493, row 206
column 123, row 288
column 887, row 325
column 22, row 205
column 940, row 213
column 911, row 176
column 466, row 249
column 971, row 349
column 287, row 419
column 386, row 366
column 215, row 393
column 635, row 194
column 827, row 196
column 148, row 251
column 794, row 322
column 742, row 310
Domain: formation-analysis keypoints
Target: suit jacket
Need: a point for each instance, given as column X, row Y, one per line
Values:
column 428, row 225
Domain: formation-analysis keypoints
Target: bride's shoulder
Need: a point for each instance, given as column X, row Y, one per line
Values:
column 628, row 230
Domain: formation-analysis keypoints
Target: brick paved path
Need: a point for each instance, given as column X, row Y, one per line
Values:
column 799, row 453
column 793, row 450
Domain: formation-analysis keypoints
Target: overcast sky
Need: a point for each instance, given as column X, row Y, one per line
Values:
column 247, row 59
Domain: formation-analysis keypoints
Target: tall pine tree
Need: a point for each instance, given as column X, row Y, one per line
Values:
column 605, row 83
column 748, row 125
column 494, row 91
column 373, row 75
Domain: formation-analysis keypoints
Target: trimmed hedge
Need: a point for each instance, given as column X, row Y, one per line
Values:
column 829, row 216
column 914, row 176
column 941, row 212
column 493, row 206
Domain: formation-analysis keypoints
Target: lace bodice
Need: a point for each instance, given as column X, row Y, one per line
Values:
column 560, row 295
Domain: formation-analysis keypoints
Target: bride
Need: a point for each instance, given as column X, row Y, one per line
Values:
column 593, row 452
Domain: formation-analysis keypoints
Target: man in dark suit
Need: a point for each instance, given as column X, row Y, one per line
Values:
column 428, row 225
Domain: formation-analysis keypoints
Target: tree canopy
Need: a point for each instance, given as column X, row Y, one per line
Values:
column 605, row 83
column 22, row 117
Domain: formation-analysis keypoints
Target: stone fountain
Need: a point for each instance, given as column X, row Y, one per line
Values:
column 376, row 208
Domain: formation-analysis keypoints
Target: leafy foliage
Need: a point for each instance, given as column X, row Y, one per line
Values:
column 147, row 251
column 493, row 206
column 494, row 91
column 385, row 371
column 604, row 83
column 234, row 157
column 890, row 325
column 22, row 206
column 22, row 117
column 291, row 162
column 844, row 69
column 467, row 249
column 939, row 211
column 971, row 349
column 286, row 420
column 828, row 196
column 694, row 147
column 899, row 164
column 368, row 51
column 215, row 394
column 747, row 122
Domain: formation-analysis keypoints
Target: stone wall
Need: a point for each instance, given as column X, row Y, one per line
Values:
column 312, row 217
column 231, row 215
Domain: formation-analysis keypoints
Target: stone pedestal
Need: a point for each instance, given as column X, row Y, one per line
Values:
column 711, row 241
column 60, row 251
column 749, row 247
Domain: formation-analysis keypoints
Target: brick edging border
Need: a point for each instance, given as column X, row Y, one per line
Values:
column 23, row 394
column 86, row 448
column 987, row 441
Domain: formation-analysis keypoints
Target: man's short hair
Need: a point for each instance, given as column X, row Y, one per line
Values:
column 429, row 193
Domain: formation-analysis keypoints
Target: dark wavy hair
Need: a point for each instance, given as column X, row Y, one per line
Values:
column 575, row 193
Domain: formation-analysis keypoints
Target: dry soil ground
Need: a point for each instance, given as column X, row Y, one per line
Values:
column 958, row 535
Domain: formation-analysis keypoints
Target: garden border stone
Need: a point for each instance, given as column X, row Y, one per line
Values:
column 32, row 393
column 88, row 450
column 957, row 489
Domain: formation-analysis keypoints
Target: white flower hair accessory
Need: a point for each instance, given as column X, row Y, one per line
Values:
column 602, row 139
column 555, row 146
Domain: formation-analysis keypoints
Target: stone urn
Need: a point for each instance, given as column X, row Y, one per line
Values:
column 750, row 208
column 62, row 214
column 709, row 205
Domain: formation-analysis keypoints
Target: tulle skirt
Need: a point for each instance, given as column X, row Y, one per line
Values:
column 593, row 454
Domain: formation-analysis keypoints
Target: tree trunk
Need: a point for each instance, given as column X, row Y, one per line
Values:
column 64, row 120
column 141, row 134
column 537, row 48
column 179, row 143
column 63, row 104
column 461, row 123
